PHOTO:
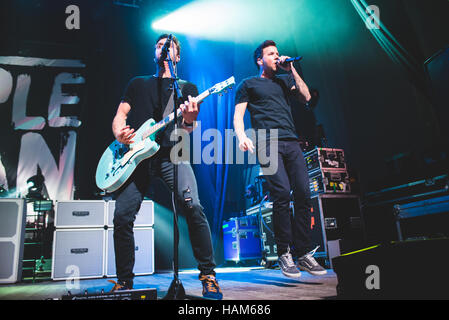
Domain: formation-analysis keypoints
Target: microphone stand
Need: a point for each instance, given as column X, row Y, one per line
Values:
column 176, row 290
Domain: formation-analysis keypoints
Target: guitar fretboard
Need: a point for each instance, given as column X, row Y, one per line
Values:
column 166, row 121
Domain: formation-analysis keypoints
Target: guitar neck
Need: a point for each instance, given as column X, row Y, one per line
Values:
column 168, row 119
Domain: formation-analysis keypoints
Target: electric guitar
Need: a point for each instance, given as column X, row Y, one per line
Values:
column 120, row 160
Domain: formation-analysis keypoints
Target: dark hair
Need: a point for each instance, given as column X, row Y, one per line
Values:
column 259, row 50
column 175, row 40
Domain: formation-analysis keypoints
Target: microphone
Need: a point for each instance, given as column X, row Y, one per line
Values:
column 165, row 48
column 291, row 60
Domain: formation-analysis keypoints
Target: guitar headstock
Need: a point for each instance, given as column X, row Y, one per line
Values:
column 221, row 87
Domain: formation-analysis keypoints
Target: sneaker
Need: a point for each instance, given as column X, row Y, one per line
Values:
column 308, row 263
column 211, row 289
column 287, row 266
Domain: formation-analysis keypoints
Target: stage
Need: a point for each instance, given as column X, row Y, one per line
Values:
column 241, row 283
column 347, row 112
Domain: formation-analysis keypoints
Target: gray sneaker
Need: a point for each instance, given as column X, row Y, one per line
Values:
column 308, row 263
column 287, row 266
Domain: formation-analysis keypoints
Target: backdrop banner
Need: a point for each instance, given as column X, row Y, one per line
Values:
column 41, row 104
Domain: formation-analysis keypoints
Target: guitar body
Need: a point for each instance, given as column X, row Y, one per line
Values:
column 119, row 161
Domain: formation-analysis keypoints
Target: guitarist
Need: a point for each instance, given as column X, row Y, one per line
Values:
column 151, row 97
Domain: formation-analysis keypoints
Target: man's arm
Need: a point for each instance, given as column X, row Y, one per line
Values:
column 301, row 86
column 121, row 131
column 245, row 143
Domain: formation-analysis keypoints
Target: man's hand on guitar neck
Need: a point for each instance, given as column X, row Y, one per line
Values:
column 126, row 135
column 190, row 110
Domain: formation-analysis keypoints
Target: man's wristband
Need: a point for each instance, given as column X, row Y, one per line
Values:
column 188, row 125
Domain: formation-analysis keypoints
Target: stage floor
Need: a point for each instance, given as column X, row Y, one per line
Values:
column 242, row 283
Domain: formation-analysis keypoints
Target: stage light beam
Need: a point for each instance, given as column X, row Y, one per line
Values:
column 232, row 20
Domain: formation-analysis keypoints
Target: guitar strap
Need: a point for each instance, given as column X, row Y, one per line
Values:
column 170, row 103
column 169, row 106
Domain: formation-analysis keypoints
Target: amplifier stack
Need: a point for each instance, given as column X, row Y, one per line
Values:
column 339, row 210
column 327, row 171
column 83, row 245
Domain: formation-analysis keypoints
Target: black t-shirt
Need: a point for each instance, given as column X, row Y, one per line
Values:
column 148, row 97
column 268, row 104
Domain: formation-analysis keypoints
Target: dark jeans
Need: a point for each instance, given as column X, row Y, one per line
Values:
column 128, row 202
column 290, row 175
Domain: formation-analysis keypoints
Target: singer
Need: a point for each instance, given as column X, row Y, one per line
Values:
column 266, row 98
column 151, row 97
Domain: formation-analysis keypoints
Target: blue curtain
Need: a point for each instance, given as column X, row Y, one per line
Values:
column 210, row 64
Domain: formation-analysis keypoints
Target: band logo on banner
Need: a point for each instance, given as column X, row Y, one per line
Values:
column 40, row 107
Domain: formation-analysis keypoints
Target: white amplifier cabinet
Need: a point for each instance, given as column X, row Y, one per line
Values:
column 12, row 235
column 144, row 252
column 78, row 253
column 144, row 218
column 80, row 214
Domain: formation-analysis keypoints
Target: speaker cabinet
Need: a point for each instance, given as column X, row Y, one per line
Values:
column 12, row 235
column 341, row 219
column 83, row 245
column 144, row 252
column 78, row 253
column 80, row 214
column 144, row 218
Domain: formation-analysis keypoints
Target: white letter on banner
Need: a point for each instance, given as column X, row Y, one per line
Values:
column 35, row 152
column 58, row 98
column 5, row 85
column 19, row 117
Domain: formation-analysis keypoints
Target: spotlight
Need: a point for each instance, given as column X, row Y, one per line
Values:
column 35, row 186
column 3, row 192
column 230, row 20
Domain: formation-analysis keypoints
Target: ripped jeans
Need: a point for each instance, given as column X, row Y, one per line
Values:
column 128, row 201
